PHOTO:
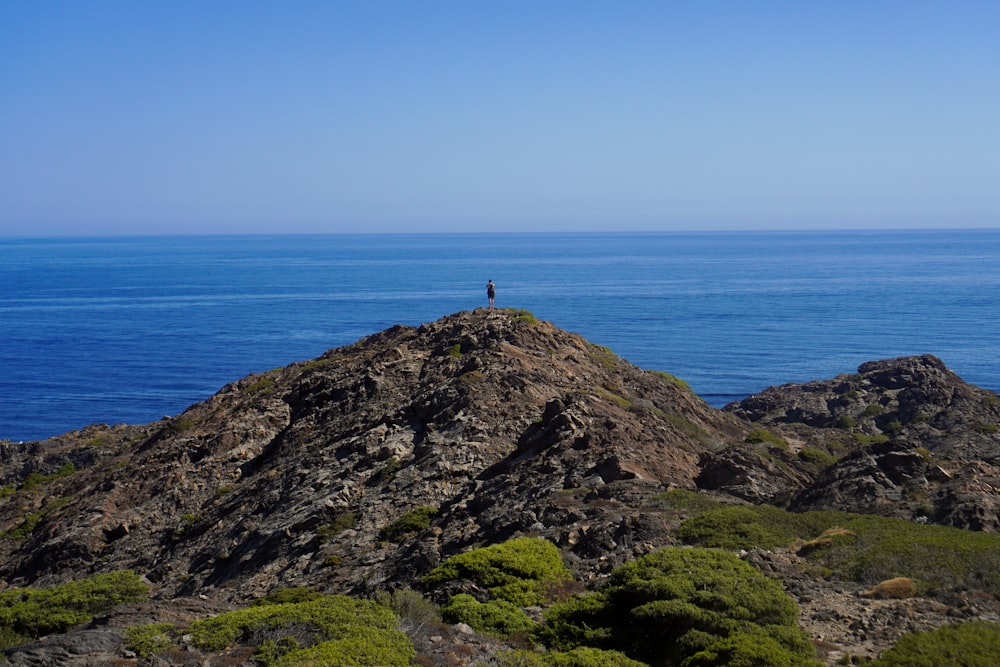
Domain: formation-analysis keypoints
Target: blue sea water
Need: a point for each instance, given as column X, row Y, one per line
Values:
column 127, row 330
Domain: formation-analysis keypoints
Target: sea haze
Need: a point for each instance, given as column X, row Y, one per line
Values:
column 131, row 329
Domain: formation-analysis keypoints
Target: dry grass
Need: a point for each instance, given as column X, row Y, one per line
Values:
column 898, row 588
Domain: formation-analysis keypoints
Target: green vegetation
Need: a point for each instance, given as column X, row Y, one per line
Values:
column 857, row 547
column 289, row 595
column 974, row 644
column 499, row 618
column 330, row 630
column 413, row 521
column 341, row 522
column 455, row 351
column 582, row 656
column 29, row 613
column 817, row 458
column 32, row 520
column 873, row 410
column 321, row 362
column 179, row 425
column 388, row 470
column 412, row 608
column 765, row 437
column 673, row 379
column 522, row 315
column 521, row 571
column 150, row 639
column 893, row 426
column 683, row 502
column 603, row 357
column 846, row 422
column 36, row 479
column 681, row 606
column 865, row 440
column 264, row 386
column 612, row 397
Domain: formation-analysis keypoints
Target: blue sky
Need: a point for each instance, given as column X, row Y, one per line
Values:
column 259, row 117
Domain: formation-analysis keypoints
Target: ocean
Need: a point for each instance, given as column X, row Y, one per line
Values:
column 128, row 330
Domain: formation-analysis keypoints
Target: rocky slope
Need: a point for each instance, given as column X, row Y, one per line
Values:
column 495, row 425
column 503, row 424
column 914, row 441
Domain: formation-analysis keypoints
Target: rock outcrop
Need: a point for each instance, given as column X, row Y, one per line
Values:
column 362, row 469
column 502, row 424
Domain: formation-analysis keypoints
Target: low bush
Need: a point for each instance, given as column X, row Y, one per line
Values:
column 683, row 502
column 495, row 617
column 150, row 639
column 817, row 458
column 684, row 606
column 35, row 612
column 522, row 315
column 582, row 656
column 331, row 630
column 413, row 610
column 864, row 548
column 341, row 522
column 897, row 588
column 412, row 522
column 673, row 379
column 974, row 644
column 765, row 437
column 289, row 595
column 521, row 571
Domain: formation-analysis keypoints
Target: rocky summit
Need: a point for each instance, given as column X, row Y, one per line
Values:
column 363, row 469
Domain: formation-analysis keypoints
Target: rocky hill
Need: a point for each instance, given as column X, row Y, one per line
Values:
column 362, row 469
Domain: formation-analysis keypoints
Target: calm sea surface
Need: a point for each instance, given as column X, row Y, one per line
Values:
column 132, row 329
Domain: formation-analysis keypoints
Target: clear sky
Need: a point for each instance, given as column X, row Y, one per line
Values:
column 241, row 116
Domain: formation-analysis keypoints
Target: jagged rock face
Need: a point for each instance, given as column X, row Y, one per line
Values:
column 918, row 442
column 505, row 425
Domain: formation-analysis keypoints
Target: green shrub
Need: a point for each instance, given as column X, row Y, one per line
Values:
column 410, row 606
column 522, row 315
column 338, row 630
column 763, row 436
column 684, row 501
column 413, row 521
column 496, row 617
column 582, row 656
column 873, row 410
column 751, row 649
column 973, row 644
column 846, row 421
column 865, row 440
column 264, row 386
column 673, row 379
column 34, row 612
column 520, row 571
column 602, row 356
column 341, row 522
column 388, row 470
column 367, row 649
column 150, row 639
column 455, row 351
column 867, row 548
column 678, row 604
column 816, row 457
column 744, row 527
column 289, row 595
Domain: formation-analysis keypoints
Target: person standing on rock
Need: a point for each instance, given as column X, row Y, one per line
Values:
column 491, row 292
